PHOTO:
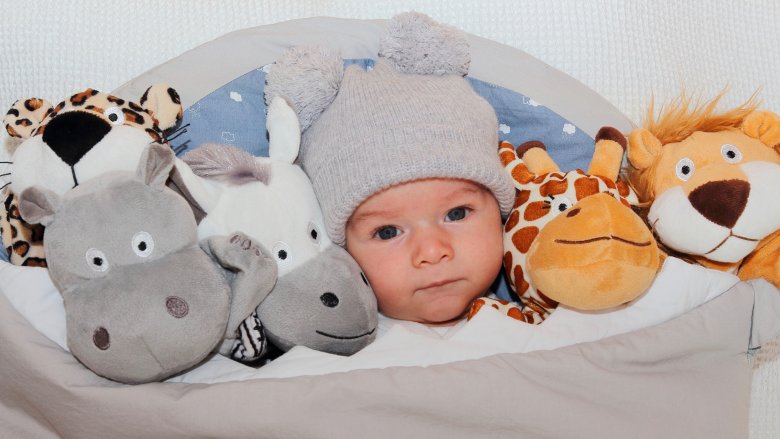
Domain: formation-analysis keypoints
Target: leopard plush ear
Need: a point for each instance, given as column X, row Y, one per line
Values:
column 25, row 116
column 764, row 126
column 164, row 104
column 38, row 205
column 643, row 147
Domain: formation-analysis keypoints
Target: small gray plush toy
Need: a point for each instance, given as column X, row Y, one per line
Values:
column 143, row 300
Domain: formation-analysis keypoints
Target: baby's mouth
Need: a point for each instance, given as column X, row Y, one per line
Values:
column 438, row 284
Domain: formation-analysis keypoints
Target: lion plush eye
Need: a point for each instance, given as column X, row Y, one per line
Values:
column 96, row 260
column 731, row 153
column 115, row 115
column 143, row 244
column 684, row 169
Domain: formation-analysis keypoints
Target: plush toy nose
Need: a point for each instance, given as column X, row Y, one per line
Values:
column 721, row 202
column 71, row 135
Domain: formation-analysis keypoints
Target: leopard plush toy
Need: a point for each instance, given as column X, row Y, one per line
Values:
column 82, row 137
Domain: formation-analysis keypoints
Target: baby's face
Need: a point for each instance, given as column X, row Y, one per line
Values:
column 429, row 247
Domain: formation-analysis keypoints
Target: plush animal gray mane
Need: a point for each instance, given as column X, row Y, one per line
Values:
column 227, row 163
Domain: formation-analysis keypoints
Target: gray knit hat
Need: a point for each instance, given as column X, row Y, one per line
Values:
column 413, row 116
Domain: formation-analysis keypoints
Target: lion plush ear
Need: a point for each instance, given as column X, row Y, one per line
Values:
column 38, row 205
column 643, row 147
column 164, row 104
column 764, row 126
column 25, row 116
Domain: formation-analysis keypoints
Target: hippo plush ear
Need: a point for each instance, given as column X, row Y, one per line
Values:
column 164, row 104
column 25, row 116
column 764, row 126
column 643, row 147
column 38, row 205
column 155, row 165
column 284, row 131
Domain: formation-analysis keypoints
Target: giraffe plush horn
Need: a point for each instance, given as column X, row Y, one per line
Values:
column 608, row 156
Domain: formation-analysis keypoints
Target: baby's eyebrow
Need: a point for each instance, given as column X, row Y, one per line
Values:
column 363, row 216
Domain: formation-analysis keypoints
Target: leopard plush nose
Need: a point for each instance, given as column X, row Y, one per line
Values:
column 71, row 135
column 721, row 202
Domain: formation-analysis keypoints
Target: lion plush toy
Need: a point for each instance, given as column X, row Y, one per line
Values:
column 572, row 237
column 713, row 181
column 80, row 138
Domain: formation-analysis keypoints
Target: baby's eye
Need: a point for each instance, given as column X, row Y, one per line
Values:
column 457, row 213
column 387, row 232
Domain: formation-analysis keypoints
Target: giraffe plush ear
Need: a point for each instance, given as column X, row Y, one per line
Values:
column 643, row 147
column 535, row 156
column 608, row 154
column 25, row 116
column 764, row 126
column 164, row 104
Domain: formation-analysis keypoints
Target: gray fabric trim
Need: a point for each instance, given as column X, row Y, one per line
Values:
column 213, row 64
column 646, row 384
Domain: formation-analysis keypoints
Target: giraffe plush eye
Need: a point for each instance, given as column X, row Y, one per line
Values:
column 684, row 169
column 731, row 153
column 560, row 204
column 96, row 260
column 115, row 115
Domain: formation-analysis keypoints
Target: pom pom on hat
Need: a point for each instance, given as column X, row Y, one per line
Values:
column 308, row 78
column 416, row 44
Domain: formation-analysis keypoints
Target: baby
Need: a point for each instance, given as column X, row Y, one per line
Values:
column 404, row 163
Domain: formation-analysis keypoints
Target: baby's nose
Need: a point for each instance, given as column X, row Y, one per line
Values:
column 433, row 246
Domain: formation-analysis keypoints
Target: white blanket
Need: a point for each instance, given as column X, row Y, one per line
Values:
column 678, row 288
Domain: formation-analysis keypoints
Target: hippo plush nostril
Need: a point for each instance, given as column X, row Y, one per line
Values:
column 721, row 202
column 101, row 338
column 329, row 299
column 176, row 306
column 72, row 134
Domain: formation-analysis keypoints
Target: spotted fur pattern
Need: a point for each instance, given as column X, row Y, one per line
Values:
column 29, row 118
column 538, row 200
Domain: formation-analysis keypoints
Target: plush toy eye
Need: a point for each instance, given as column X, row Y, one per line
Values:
column 314, row 233
column 560, row 204
column 281, row 252
column 96, row 260
column 143, row 244
column 731, row 153
column 684, row 169
column 115, row 115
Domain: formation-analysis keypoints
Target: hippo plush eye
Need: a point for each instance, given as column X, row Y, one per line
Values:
column 96, row 260
column 560, row 204
column 684, row 168
column 115, row 115
column 731, row 153
column 143, row 244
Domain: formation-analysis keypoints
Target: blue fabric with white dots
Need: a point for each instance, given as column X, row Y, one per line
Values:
column 235, row 114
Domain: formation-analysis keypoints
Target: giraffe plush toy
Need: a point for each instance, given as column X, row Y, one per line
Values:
column 572, row 237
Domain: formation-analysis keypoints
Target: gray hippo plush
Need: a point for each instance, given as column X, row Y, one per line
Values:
column 143, row 300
